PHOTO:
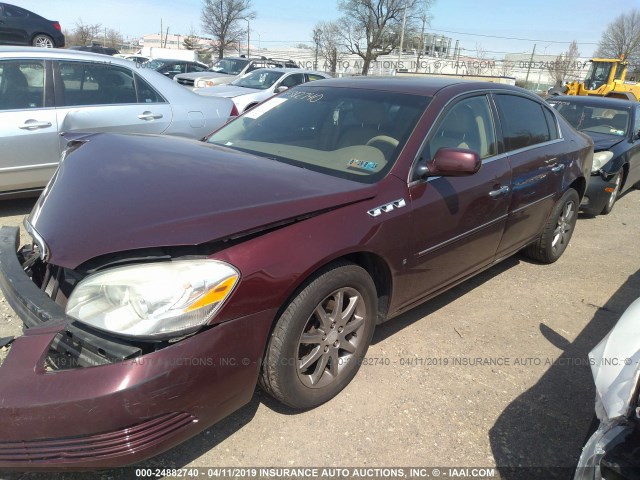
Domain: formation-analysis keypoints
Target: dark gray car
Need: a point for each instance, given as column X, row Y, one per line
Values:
column 19, row 26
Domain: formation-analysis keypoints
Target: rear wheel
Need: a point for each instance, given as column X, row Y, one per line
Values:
column 557, row 232
column 42, row 40
column 613, row 196
column 319, row 341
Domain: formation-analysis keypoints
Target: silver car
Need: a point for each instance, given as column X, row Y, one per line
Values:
column 257, row 86
column 47, row 91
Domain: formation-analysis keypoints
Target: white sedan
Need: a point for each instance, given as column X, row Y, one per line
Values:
column 257, row 86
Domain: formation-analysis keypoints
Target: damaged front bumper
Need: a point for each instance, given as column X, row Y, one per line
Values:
column 114, row 404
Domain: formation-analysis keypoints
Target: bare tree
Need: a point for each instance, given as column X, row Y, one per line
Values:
column 564, row 67
column 622, row 37
column 477, row 65
column 329, row 43
column 84, row 33
column 370, row 28
column 113, row 39
column 223, row 20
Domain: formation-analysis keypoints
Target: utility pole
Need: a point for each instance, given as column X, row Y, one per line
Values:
column 248, row 36
column 404, row 23
column 526, row 80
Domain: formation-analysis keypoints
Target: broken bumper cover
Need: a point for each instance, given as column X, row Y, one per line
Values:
column 120, row 412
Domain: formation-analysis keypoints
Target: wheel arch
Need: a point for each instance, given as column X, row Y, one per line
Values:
column 372, row 263
column 580, row 186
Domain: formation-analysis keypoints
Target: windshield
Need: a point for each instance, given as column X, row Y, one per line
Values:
column 258, row 79
column 230, row 66
column 349, row 133
column 594, row 119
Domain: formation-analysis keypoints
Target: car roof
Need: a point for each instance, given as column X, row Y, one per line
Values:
column 63, row 53
column 603, row 102
column 417, row 85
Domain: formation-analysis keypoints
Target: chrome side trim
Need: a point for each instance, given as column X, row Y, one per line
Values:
column 28, row 167
column 519, row 209
column 461, row 236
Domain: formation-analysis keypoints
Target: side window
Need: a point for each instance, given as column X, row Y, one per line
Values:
column 551, row 123
column 313, row 77
column 523, row 121
column 146, row 93
column 21, row 84
column 96, row 84
column 467, row 125
column 15, row 12
column 293, row 80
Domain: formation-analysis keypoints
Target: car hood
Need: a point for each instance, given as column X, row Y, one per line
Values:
column 603, row 141
column 227, row 91
column 615, row 363
column 116, row 193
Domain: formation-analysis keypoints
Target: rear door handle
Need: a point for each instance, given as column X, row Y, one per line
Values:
column 149, row 116
column 34, row 125
column 500, row 191
column 558, row 168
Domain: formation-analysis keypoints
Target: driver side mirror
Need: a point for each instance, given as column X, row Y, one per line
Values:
column 281, row 89
column 450, row 162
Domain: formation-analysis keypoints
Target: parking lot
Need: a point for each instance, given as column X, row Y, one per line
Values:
column 491, row 374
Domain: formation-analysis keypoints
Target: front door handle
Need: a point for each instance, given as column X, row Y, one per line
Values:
column 500, row 191
column 149, row 116
column 34, row 125
column 558, row 167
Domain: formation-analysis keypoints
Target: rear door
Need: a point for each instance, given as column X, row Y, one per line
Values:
column 102, row 97
column 28, row 127
column 538, row 157
column 14, row 25
column 457, row 221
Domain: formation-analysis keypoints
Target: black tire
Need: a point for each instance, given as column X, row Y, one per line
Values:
column 557, row 232
column 309, row 357
column 613, row 196
column 42, row 40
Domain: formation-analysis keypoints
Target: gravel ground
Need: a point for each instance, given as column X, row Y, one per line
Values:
column 489, row 374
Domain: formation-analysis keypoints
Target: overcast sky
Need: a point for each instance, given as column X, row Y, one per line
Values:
column 548, row 24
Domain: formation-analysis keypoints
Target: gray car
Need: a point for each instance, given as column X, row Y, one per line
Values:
column 47, row 91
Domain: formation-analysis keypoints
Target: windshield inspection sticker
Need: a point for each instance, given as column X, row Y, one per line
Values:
column 362, row 165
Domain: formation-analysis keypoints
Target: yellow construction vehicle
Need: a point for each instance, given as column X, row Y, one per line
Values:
column 605, row 78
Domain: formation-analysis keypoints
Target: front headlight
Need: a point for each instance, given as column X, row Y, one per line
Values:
column 204, row 83
column 153, row 301
column 600, row 159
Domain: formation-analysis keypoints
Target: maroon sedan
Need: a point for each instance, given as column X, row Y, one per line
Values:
column 166, row 277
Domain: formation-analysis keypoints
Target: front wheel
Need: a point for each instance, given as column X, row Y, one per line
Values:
column 557, row 232
column 613, row 196
column 319, row 341
column 43, row 41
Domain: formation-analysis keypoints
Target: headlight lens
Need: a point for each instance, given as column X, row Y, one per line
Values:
column 204, row 83
column 600, row 159
column 153, row 301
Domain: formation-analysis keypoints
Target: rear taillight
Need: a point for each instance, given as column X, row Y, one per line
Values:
column 234, row 111
column 57, row 26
